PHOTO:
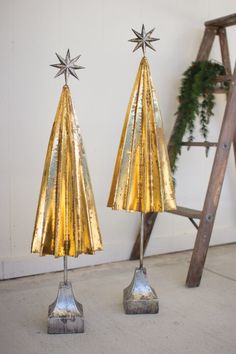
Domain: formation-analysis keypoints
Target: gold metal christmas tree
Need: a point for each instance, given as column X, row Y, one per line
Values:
column 142, row 178
column 66, row 221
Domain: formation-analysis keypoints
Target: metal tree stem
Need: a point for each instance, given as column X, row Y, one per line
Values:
column 141, row 241
column 65, row 270
column 65, row 314
column 139, row 297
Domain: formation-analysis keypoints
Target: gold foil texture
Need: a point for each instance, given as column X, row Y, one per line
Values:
column 142, row 178
column 66, row 221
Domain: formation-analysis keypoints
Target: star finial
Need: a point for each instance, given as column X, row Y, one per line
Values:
column 143, row 39
column 67, row 66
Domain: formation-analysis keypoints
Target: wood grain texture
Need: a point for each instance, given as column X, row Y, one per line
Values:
column 214, row 190
column 224, row 21
column 187, row 212
column 206, row 44
column 149, row 221
column 225, row 51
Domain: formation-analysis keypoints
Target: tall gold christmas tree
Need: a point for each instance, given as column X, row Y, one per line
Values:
column 66, row 221
column 142, row 178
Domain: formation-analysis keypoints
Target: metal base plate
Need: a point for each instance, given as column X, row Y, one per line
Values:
column 65, row 314
column 139, row 297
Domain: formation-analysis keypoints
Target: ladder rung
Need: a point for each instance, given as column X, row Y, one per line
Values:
column 219, row 90
column 187, row 212
column 225, row 21
column 223, row 78
column 203, row 143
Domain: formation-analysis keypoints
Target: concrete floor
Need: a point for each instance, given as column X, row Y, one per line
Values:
column 200, row 320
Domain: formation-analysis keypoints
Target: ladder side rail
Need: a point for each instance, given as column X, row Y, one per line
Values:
column 206, row 44
column 224, row 47
column 214, row 189
column 149, row 221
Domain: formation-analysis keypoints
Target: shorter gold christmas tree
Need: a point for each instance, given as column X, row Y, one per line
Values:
column 66, row 221
column 142, row 179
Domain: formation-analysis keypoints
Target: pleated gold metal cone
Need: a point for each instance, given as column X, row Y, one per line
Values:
column 66, row 221
column 142, row 179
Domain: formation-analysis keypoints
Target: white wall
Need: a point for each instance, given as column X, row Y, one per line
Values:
column 30, row 32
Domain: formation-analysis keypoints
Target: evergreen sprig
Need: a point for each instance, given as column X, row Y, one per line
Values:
column 196, row 99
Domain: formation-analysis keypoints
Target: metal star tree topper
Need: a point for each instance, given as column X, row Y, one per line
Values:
column 66, row 221
column 142, row 178
column 67, row 66
column 143, row 40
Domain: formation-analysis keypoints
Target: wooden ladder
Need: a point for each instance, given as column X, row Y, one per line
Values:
column 227, row 135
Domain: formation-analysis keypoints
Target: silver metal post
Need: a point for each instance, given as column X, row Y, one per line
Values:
column 65, row 314
column 139, row 297
column 141, row 241
column 65, row 270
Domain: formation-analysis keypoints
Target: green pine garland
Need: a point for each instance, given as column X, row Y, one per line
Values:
column 196, row 99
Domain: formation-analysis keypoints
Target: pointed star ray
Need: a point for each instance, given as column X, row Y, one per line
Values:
column 143, row 39
column 67, row 66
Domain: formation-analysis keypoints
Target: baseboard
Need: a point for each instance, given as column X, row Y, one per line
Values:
column 13, row 267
